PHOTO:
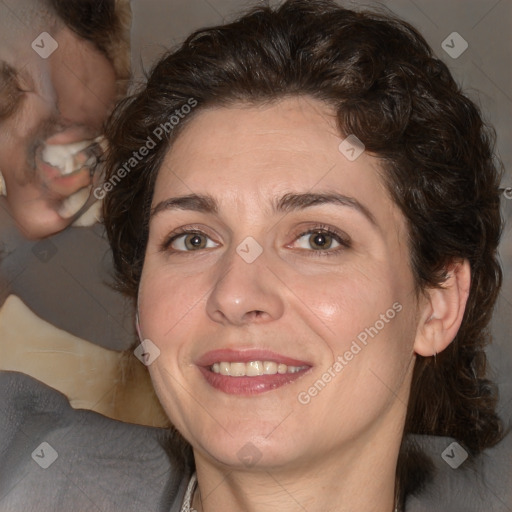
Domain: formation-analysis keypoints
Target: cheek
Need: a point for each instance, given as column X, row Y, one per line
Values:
column 168, row 308
column 365, row 315
column 19, row 133
column 87, row 94
column 34, row 111
column 347, row 301
column 167, row 305
column 12, row 148
column 368, row 329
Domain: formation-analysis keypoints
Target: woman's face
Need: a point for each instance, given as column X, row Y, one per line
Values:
column 270, row 250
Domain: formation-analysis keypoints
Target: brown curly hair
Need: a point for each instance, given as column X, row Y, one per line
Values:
column 386, row 86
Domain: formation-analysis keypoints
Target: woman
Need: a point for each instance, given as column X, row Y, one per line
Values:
column 306, row 208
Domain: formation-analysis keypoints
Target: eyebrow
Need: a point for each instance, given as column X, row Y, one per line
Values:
column 292, row 202
column 192, row 202
column 287, row 203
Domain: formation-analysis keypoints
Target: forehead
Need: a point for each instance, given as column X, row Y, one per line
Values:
column 21, row 22
column 298, row 123
column 261, row 151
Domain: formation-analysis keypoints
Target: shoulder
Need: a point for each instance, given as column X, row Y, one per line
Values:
column 462, row 483
column 55, row 458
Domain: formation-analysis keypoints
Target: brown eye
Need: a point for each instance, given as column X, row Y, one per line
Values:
column 187, row 242
column 320, row 241
column 194, row 241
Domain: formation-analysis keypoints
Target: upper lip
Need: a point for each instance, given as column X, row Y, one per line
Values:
column 246, row 356
column 71, row 134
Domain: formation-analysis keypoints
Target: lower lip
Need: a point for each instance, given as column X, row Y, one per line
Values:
column 249, row 385
column 51, row 173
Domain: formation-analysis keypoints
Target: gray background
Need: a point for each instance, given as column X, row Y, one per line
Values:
column 484, row 70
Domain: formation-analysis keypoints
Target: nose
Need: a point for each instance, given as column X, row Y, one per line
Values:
column 245, row 293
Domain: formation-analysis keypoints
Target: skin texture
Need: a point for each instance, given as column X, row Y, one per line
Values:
column 66, row 98
column 339, row 451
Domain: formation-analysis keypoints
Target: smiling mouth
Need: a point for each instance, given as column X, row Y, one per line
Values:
column 247, row 372
column 254, row 368
column 68, row 159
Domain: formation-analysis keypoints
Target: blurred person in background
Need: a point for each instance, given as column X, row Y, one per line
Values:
column 63, row 67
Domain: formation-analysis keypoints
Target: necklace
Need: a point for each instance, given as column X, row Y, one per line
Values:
column 187, row 500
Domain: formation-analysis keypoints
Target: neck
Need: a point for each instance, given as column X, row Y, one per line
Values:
column 362, row 479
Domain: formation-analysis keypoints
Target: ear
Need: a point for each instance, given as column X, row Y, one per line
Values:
column 442, row 310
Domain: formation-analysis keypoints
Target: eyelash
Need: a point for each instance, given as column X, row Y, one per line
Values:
column 339, row 237
column 181, row 232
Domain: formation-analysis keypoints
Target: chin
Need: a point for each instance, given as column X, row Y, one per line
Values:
column 248, row 448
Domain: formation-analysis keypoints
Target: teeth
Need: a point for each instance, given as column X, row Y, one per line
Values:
column 63, row 156
column 269, row 368
column 71, row 157
column 253, row 368
column 225, row 368
column 237, row 369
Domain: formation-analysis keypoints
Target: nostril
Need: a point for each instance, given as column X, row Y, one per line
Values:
column 255, row 314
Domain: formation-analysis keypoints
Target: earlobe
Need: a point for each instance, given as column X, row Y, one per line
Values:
column 442, row 311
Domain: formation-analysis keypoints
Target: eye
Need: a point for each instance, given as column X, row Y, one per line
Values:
column 190, row 241
column 317, row 240
column 321, row 240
